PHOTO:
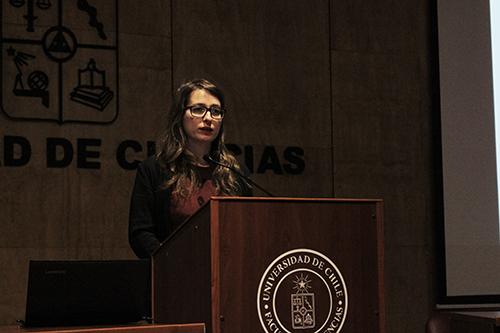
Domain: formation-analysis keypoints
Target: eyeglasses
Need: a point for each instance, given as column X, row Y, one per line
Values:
column 199, row 111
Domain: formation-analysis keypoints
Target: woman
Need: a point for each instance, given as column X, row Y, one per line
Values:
column 172, row 185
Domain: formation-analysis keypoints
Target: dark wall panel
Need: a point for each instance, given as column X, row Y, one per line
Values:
column 325, row 97
column 78, row 211
column 383, row 116
column 272, row 59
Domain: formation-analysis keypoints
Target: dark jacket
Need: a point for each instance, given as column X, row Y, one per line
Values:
column 149, row 223
column 149, row 209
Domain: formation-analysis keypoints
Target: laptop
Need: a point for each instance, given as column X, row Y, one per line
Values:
column 69, row 293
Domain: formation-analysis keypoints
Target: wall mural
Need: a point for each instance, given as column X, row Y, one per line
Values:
column 61, row 63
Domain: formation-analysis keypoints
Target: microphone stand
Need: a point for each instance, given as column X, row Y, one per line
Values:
column 209, row 159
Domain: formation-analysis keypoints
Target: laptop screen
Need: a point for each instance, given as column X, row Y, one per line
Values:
column 67, row 293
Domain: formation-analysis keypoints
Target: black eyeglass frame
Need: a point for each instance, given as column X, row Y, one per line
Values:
column 207, row 109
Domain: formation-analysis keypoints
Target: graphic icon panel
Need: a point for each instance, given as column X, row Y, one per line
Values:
column 63, row 72
column 92, row 90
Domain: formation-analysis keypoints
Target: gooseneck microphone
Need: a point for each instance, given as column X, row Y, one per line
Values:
column 210, row 159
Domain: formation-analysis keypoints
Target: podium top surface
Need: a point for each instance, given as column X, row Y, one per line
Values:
column 297, row 199
column 138, row 328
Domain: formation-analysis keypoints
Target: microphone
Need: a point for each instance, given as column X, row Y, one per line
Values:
column 210, row 159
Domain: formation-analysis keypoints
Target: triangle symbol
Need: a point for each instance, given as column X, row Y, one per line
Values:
column 59, row 44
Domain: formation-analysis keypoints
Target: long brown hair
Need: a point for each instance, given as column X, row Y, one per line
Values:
column 179, row 162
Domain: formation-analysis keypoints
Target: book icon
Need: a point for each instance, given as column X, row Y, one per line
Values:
column 92, row 90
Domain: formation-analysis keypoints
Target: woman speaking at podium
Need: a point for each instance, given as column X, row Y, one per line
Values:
column 172, row 185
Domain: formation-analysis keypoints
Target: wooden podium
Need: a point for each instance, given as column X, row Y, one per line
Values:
column 274, row 265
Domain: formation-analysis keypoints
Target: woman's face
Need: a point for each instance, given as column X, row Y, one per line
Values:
column 201, row 130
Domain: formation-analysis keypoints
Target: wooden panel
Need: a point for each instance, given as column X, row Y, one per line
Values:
column 73, row 212
column 309, row 175
column 255, row 232
column 382, row 56
column 362, row 26
column 247, row 235
column 272, row 60
column 186, row 328
column 182, row 274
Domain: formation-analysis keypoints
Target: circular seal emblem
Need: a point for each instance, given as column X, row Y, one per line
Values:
column 302, row 290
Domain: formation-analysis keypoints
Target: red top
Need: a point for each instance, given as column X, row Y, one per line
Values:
column 182, row 209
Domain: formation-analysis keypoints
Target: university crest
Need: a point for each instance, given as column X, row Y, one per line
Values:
column 302, row 290
column 59, row 60
column 302, row 303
